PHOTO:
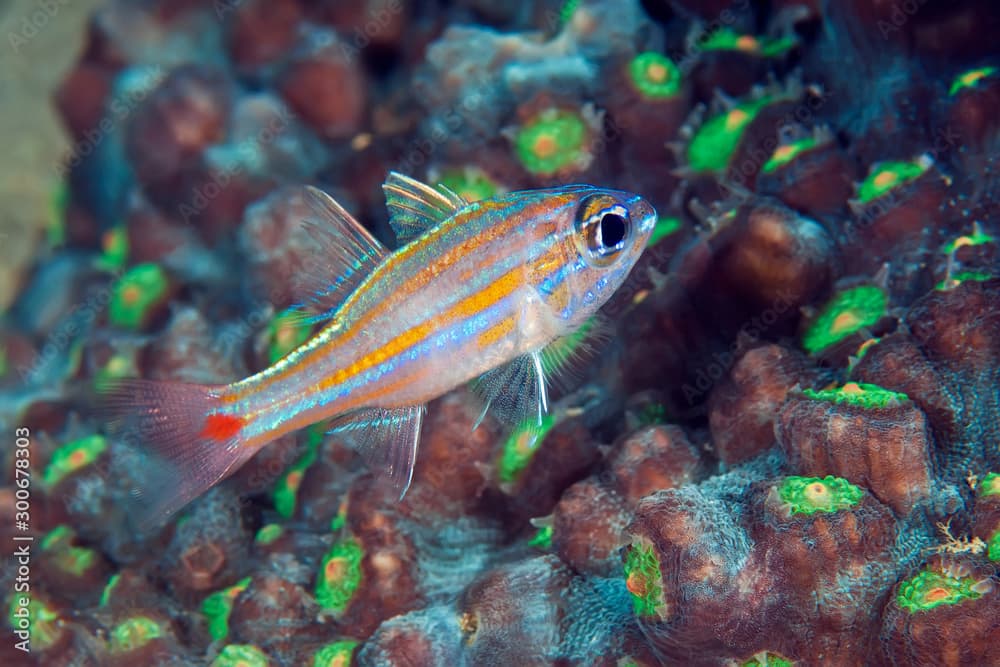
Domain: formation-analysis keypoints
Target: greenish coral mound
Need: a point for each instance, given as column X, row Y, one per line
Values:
column 970, row 79
column 268, row 533
column 339, row 574
column 72, row 457
column 135, row 294
column 32, row 613
column 726, row 39
column 928, row 589
column 286, row 490
column 993, row 547
column 240, row 655
column 713, row 145
column 990, row 485
column 217, row 607
column 809, row 495
column 976, row 238
column 961, row 277
column 542, row 539
column 642, row 578
column 654, row 75
column 337, row 654
column 858, row 394
column 665, row 226
column 885, row 176
column 847, row 312
column 767, row 659
column 552, row 141
column 289, row 329
column 470, row 183
column 134, row 633
column 785, row 153
column 520, row 447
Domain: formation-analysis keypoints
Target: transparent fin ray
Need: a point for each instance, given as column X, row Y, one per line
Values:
column 414, row 207
column 514, row 393
column 563, row 358
column 387, row 439
column 346, row 253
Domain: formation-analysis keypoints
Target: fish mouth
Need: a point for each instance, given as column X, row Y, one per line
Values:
column 646, row 214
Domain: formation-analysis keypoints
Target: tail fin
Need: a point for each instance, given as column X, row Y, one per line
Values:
column 190, row 442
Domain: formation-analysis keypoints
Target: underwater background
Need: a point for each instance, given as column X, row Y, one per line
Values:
column 787, row 451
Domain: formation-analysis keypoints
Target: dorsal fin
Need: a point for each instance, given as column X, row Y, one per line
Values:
column 345, row 254
column 415, row 207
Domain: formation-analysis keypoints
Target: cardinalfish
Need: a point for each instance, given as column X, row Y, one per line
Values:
column 488, row 292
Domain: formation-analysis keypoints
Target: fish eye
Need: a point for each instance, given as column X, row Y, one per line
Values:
column 603, row 228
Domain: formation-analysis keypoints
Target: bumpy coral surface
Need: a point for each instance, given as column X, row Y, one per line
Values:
column 781, row 443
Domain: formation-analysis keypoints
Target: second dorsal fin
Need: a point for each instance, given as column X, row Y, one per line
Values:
column 346, row 253
column 415, row 207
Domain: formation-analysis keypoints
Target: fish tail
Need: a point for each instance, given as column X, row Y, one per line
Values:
column 188, row 438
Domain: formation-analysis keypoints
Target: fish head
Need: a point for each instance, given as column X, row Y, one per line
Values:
column 602, row 234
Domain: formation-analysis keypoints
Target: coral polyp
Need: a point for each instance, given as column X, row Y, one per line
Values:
column 654, row 75
column 848, row 312
column 809, row 495
column 777, row 442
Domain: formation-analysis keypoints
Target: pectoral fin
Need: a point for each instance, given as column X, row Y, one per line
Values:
column 514, row 392
column 387, row 439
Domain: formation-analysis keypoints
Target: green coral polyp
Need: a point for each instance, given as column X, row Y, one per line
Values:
column 134, row 633
column 135, row 293
column 286, row 490
column 339, row 574
column 552, row 141
column 109, row 589
column 845, row 314
column 929, row 589
column 642, row 578
column 287, row 331
column 785, row 153
column 859, row 394
column 713, row 145
column 993, row 547
column 767, row 659
column 72, row 457
column 970, row 79
column 217, row 607
column 654, row 75
column 471, row 184
column 977, row 238
column 725, row 39
column 990, row 485
column 809, row 495
column 962, row 277
column 885, row 176
column 337, row 654
column 542, row 539
column 240, row 655
column 665, row 226
column 114, row 244
column 268, row 534
column 520, row 447
column 42, row 621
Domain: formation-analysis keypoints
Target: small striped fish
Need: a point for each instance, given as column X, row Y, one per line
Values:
column 484, row 292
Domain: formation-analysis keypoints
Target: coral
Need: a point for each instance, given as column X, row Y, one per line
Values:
column 848, row 312
column 781, row 446
column 139, row 295
column 871, row 436
column 944, row 613
column 742, row 408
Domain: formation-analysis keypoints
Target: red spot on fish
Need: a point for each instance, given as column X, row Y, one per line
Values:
column 221, row 428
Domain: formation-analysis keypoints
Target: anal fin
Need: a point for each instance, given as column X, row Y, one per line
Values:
column 387, row 439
